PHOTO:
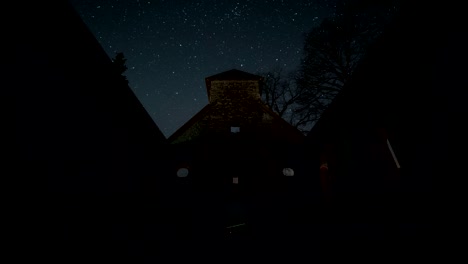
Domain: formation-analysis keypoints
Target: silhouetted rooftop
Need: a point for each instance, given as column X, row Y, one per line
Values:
column 234, row 74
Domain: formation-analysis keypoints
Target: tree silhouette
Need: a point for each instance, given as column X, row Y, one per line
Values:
column 331, row 53
column 281, row 94
column 119, row 65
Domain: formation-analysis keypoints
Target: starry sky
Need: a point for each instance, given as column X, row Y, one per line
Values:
column 171, row 46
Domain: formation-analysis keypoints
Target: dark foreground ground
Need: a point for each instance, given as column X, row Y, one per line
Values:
column 124, row 229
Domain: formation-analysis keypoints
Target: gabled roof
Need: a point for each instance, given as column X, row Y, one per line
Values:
column 291, row 130
column 281, row 120
column 198, row 116
column 257, row 106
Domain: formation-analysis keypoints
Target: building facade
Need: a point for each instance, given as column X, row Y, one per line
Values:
column 238, row 156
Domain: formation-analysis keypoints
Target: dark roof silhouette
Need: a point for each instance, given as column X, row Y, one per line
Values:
column 73, row 105
column 234, row 74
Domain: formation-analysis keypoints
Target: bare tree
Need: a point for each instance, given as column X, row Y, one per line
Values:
column 331, row 53
column 281, row 93
column 278, row 92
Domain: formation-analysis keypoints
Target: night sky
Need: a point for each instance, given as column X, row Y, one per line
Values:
column 171, row 46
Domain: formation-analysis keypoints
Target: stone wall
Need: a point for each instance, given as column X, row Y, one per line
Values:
column 235, row 89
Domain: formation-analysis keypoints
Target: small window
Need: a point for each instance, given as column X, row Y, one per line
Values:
column 182, row 172
column 235, row 180
column 235, row 129
column 288, row 172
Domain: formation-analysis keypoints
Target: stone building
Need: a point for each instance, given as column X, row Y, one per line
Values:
column 238, row 156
